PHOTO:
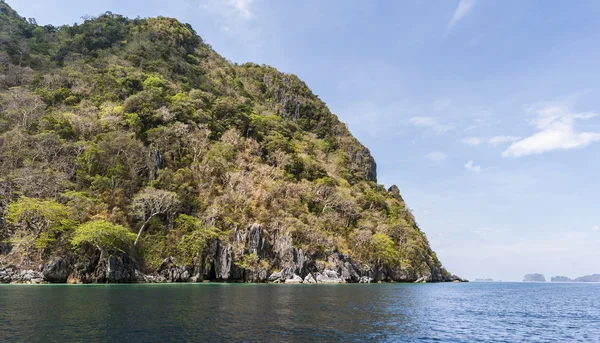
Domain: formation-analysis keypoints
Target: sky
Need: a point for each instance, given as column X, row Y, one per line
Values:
column 484, row 113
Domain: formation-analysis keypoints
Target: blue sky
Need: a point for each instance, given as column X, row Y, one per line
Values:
column 484, row 113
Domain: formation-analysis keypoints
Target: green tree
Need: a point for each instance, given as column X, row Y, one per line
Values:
column 384, row 250
column 106, row 237
column 42, row 222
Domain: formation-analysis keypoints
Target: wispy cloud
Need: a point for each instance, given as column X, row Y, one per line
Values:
column 555, row 126
column 470, row 166
column 436, row 156
column 431, row 123
column 462, row 10
column 240, row 9
column 495, row 140
column 473, row 141
column 596, row 228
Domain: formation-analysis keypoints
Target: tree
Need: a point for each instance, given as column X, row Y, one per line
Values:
column 106, row 237
column 38, row 222
column 23, row 108
column 151, row 202
column 384, row 249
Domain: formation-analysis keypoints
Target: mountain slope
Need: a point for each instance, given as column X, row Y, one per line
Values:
column 130, row 145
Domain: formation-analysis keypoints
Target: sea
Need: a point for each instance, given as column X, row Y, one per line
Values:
column 220, row 312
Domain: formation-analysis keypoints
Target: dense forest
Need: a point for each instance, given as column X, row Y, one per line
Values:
column 131, row 151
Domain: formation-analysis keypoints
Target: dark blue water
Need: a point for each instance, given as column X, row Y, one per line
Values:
column 474, row 312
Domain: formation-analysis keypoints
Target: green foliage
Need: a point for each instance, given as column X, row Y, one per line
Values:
column 139, row 122
column 43, row 220
column 384, row 250
column 194, row 237
column 105, row 236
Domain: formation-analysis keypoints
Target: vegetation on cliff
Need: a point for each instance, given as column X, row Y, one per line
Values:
column 116, row 128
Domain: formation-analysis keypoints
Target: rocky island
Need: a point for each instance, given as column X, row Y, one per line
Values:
column 586, row 278
column 130, row 151
column 534, row 278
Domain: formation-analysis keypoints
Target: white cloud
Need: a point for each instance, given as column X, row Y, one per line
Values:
column 502, row 139
column 495, row 140
column 230, row 9
column 596, row 228
column 436, row 156
column 461, row 11
column 555, row 125
column 472, row 140
column 429, row 122
column 472, row 168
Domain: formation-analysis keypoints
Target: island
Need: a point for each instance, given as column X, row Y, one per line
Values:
column 484, row 280
column 534, row 278
column 585, row 278
column 132, row 152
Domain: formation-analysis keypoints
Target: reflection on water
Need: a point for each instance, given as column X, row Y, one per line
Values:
column 502, row 312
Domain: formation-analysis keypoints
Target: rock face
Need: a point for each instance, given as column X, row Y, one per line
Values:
column 119, row 268
column 534, row 278
column 58, row 270
column 275, row 260
column 15, row 275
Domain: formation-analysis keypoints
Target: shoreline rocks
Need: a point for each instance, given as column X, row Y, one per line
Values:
column 220, row 262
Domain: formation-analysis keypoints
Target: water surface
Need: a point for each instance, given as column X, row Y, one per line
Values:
column 474, row 312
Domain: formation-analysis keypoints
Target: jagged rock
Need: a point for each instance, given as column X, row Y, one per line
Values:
column 289, row 258
column 255, row 241
column 422, row 279
column 295, row 279
column 395, row 192
column 328, row 276
column 454, row 278
column 15, row 275
column 309, row 279
column 225, row 269
column 275, row 277
column 365, row 279
column 58, row 270
column 345, row 267
column 122, row 269
column 171, row 272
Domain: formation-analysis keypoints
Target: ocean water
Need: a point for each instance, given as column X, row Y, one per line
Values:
column 473, row 312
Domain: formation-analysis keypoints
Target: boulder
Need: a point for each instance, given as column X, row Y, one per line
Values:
column 295, row 279
column 328, row 276
column 58, row 270
column 365, row 279
column 275, row 277
column 309, row 279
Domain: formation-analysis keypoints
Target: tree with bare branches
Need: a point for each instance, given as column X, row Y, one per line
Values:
column 151, row 202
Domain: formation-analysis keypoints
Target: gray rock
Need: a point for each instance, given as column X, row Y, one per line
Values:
column 57, row 270
column 365, row 279
column 295, row 279
column 422, row 279
column 328, row 276
column 309, row 279
column 255, row 241
column 275, row 277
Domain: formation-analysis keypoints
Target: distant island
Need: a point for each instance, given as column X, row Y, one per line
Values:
column 534, row 278
column 484, row 280
column 586, row 278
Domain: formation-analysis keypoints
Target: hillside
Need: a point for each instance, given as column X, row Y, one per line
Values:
column 130, row 151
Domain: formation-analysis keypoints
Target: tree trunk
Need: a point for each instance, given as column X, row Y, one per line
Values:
column 142, row 229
